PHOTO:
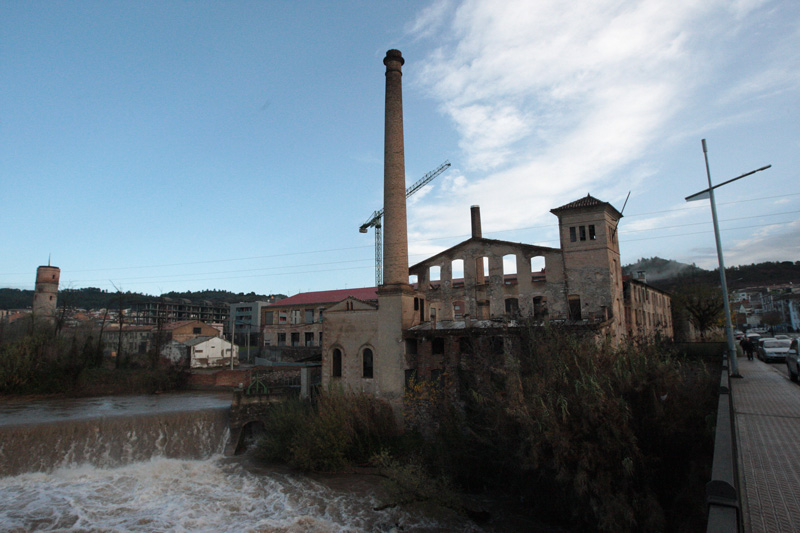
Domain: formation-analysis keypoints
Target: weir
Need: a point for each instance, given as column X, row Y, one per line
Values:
column 112, row 440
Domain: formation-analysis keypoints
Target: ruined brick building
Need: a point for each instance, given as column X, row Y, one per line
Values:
column 420, row 324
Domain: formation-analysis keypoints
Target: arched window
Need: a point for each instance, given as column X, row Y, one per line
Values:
column 336, row 371
column 366, row 356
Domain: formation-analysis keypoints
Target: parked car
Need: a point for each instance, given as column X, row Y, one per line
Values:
column 782, row 337
column 770, row 350
column 793, row 359
column 738, row 334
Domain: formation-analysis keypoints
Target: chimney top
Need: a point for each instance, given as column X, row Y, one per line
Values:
column 393, row 55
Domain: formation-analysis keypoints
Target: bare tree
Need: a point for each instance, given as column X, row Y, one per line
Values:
column 703, row 304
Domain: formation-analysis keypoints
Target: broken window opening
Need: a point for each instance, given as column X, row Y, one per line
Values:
column 583, row 232
column 512, row 306
column 574, row 307
column 539, row 307
column 572, row 235
column 592, row 235
column 457, row 269
column 434, row 274
column 411, row 346
column 481, row 270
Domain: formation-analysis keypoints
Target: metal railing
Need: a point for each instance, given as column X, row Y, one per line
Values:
column 722, row 492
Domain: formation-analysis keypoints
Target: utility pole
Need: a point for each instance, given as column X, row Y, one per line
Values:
column 709, row 193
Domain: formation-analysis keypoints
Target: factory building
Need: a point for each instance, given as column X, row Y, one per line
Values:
column 418, row 329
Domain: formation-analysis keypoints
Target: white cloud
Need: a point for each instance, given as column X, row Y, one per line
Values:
column 777, row 242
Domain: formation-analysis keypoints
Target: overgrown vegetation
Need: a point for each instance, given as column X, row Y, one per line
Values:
column 37, row 360
column 336, row 430
column 586, row 436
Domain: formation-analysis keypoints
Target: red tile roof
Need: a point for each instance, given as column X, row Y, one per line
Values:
column 586, row 201
column 326, row 297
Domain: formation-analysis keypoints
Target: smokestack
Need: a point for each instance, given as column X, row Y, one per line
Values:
column 395, row 255
column 475, row 212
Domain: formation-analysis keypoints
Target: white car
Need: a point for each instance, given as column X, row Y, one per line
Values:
column 793, row 359
column 770, row 350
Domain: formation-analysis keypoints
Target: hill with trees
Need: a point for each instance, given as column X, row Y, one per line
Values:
column 668, row 275
column 94, row 298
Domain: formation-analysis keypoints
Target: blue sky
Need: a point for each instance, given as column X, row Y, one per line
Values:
column 167, row 146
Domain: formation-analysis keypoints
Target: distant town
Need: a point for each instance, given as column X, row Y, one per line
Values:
column 280, row 328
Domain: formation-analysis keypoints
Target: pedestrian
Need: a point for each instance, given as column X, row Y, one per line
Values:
column 747, row 347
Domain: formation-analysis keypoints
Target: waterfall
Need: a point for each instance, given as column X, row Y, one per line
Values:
column 112, row 441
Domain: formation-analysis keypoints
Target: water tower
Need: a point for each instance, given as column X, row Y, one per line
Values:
column 45, row 297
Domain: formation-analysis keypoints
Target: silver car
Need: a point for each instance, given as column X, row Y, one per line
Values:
column 770, row 350
column 793, row 360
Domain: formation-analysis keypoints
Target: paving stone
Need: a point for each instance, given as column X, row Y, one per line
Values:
column 767, row 411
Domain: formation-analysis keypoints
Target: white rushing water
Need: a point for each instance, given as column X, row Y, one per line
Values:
column 217, row 494
column 104, row 465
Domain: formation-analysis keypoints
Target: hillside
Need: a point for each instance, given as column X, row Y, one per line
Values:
column 667, row 274
column 94, row 298
column 657, row 268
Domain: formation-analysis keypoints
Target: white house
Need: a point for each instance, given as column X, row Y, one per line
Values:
column 205, row 352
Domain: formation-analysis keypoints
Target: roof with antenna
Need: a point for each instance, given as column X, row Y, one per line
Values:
column 586, row 201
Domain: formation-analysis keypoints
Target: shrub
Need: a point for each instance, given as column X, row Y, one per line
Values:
column 338, row 430
column 587, row 434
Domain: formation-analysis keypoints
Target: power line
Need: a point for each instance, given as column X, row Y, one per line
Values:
column 370, row 246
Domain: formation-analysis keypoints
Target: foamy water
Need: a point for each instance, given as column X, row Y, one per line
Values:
column 216, row 494
column 152, row 464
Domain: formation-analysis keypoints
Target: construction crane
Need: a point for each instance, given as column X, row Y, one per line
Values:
column 376, row 217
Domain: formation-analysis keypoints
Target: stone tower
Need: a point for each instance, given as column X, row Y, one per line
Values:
column 45, row 296
column 590, row 247
column 395, row 296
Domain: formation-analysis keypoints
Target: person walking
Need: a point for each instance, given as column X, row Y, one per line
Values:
column 748, row 347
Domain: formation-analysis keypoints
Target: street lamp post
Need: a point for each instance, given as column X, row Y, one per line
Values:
column 709, row 193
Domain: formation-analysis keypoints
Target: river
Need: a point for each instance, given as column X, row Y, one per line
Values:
column 155, row 463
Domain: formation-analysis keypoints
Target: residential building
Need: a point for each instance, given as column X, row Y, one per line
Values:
column 292, row 328
column 164, row 309
column 185, row 330
column 246, row 318
column 209, row 352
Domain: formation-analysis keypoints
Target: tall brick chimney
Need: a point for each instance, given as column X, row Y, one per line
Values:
column 395, row 233
column 475, row 213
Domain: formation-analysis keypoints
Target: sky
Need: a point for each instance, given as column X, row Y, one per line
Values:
column 176, row 146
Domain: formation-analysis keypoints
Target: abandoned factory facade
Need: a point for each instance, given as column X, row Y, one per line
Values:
column 422, row 320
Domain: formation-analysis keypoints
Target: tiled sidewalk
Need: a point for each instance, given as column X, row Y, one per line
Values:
column 767, row 411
